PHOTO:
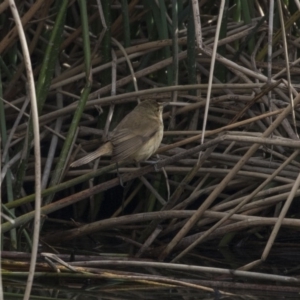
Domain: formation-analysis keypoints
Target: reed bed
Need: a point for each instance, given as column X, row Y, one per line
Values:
column 227, row 171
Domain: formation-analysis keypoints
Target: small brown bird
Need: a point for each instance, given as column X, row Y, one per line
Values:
column 135, row 138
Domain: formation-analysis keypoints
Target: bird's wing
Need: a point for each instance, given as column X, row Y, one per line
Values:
column 126, row 142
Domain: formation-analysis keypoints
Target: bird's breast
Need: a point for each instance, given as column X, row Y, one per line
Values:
column 149, row 147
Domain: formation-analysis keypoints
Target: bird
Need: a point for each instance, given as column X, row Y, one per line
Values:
column 135, row 138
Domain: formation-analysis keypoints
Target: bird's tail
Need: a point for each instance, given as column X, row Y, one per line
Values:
column 104, row 149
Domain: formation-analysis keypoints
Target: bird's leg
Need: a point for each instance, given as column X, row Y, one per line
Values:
column 154, row 162
column 120, row 176
column 155, row 166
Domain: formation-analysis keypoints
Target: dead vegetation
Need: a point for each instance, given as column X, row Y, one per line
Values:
column 228, row 167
